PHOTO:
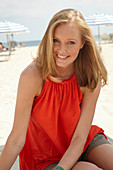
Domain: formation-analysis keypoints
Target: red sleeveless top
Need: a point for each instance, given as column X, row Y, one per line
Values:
column 54, row 117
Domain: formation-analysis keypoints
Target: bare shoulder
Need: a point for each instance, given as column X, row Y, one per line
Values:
column 31, row 70
column 31, row 78
column 87, row 91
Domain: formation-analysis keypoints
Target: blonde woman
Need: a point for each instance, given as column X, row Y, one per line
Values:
column 56, row 100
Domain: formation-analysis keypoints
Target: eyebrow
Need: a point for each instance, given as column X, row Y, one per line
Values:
column 72, row 39
column 67, row 39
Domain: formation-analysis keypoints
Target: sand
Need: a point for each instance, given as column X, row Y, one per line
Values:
column 104, row 109
column 9, row 76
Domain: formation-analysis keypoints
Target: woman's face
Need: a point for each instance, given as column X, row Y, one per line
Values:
column 66, row 44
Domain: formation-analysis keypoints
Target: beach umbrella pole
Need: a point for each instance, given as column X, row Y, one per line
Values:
column 99, row 35
column 8, row 44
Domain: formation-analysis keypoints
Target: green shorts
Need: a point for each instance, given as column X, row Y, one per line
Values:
column 99, row 139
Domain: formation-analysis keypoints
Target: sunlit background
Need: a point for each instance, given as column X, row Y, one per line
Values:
column 35, row 14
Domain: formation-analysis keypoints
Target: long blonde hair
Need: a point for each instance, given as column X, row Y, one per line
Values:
column 89, row 66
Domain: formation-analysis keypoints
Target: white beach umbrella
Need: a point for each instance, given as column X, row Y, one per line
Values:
column 98, row 20
column 10, row 28
column 7, row 27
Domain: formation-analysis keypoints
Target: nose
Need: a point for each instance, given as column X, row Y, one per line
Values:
column 62, row 49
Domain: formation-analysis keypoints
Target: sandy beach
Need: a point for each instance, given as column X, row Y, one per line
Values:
column 9, row 76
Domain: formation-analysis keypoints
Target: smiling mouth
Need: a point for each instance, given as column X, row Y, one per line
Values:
column 62, row 57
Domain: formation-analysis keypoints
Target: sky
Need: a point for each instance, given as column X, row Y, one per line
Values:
column 36, row 14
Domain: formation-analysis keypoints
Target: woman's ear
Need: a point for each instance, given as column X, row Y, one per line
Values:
column 82, row 44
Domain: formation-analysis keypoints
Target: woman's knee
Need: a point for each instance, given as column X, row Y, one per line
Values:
column 82, row 165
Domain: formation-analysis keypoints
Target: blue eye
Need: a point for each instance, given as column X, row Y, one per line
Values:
column 55, row 40
column 71, row 42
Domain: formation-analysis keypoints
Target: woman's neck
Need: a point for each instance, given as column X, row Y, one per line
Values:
column 64, row 73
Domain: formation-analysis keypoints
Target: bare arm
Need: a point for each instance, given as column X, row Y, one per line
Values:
column 28, row 87
column 82, row 130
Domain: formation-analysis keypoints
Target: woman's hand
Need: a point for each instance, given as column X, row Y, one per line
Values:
column 82, row 130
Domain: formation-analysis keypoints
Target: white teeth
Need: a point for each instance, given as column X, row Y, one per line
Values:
column 62, row 56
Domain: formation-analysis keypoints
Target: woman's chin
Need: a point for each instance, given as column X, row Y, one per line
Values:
column 63, row 65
